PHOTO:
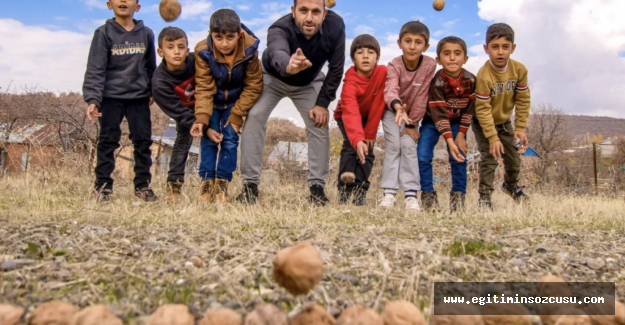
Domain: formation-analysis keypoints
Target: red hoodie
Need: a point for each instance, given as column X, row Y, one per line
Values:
column 362, row 98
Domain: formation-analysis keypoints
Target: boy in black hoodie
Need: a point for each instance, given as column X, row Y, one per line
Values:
column 117, row 84
column 173, row 88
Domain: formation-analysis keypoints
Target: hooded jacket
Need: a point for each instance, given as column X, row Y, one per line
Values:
column 121, row 63
column 362, row 99
column 174, row 91
column 221, row 86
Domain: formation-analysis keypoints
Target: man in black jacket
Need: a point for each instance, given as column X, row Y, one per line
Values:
column 298, row 46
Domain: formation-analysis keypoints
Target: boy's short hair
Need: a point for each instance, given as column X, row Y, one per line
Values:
column 415, row 27
column 364, row 41
column 225, row 21
column 295, row 4
column 499, row 30
column 171, row 34
column 451, row 40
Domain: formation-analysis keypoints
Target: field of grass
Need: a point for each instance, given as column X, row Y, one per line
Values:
column 135, row 256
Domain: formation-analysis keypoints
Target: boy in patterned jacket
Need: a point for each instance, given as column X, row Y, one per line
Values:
column 501, row 89
column 406, row 96
column 229, row 80
column 450, row 110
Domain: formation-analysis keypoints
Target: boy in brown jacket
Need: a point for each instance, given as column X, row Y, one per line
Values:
column 229, row 80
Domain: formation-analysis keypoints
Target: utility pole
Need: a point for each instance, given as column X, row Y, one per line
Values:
column 594, row 162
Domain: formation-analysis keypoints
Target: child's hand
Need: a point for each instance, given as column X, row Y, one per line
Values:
column 370, row 143
column 401, row 115
column 496, row 149
column 151, row 101
column 237, row 128
column 461, row 143
column 454, row 150
column 92, row 112
column 196, row 130
column 523, row 137
column 361, row 150
column 412, row 132
column 214, row 135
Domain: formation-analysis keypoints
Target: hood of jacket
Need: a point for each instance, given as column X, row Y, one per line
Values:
column 138, row 26
column 360, row 80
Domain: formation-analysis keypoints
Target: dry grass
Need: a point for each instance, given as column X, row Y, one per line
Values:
column 137, row 260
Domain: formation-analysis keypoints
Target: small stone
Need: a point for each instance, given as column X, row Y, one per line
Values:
column 197, row 262
column 96, row 230
column 14, row 264
column 610, row 260
column 150, row 244
column 259, row 235
column 60, row 260
column 517, row 262
column 519, row 242
column 136, row 204
column 595, row 264
column 189, row 265
column 180, row 282
column 541, row 249
column 347, row 278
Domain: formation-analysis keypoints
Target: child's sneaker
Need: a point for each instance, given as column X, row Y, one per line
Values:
column 344, row 195
column 485, row 202
column 411, row 203
column 249, row 195
column 221, row 191
column 103, row 196
column 516, row 192
column 146, row 194
column 429, row 200
column 318, row 196
column 360, row 197
column 206, row 191
column 456, row 201
column 173, row 191
column 388, row 201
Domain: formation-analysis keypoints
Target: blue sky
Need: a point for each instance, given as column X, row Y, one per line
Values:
column 458, row 17
column 574, row 49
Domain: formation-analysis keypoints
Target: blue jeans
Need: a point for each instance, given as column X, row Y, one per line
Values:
column 225, row 152
column 425, row 151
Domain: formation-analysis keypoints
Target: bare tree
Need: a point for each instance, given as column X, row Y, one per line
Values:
column 548, row 133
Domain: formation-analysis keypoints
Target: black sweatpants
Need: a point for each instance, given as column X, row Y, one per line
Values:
column 349, row 162
column 180, row 154
column 137, row 113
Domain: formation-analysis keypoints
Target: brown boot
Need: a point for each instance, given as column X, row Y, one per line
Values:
column 221, row 191
column 429, row 201
column 206, row 191
column 456, row 201
column 173, row 191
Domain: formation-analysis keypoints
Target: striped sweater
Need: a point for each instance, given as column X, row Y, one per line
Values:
column 408, row 87
column 497, row 94
column 451, row 99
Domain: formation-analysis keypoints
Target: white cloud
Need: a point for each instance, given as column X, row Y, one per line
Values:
column 243, row 7
column 60, row 67
column 364, row 29
column 582, row 79
column 97, row 4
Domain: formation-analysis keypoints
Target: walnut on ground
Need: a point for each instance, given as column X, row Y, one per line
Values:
column 360, row 315
column 222, row 316
column 298, row 268
column 458, row 314
column 401, row 312
column 313, row 314
column 96, row 315
column 267, row 314
column 10, row 315
column 172, row 314
column 53, row 312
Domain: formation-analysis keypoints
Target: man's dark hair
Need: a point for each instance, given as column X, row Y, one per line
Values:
column 499, row 30
column 171, row 34
column 415, row 27
column 225, row 21
column 364, row 41
column 295, row 4
column 451, row 40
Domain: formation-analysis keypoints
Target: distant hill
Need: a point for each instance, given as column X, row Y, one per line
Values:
column 606, row 126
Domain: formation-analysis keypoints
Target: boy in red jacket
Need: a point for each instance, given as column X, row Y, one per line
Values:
column 358, row 116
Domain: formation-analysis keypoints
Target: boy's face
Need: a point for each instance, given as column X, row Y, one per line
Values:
column 499, row 51
column 225, row 42
column 123, row 8
column 412, row 45
column 365, row 60
column 174, row 52
column 452, row 57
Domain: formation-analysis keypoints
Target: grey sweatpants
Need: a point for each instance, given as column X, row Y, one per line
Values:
column 401, row 166
column 254, row 131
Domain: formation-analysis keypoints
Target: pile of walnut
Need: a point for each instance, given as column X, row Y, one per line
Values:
column 300, row 268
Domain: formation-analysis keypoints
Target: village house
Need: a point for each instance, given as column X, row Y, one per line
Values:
column 27, row 147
